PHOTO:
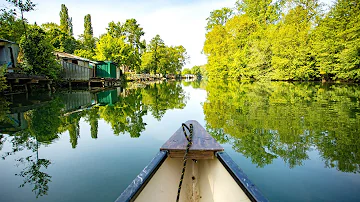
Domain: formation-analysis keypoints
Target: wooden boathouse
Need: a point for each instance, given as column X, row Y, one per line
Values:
column 78, row 70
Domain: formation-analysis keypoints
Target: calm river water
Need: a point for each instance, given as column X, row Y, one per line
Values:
column 295, row 141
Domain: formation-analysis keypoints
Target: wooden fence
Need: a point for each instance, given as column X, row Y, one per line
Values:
column 76, row 100
column 76, row 72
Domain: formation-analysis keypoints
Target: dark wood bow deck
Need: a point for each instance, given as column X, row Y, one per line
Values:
column 203, row 147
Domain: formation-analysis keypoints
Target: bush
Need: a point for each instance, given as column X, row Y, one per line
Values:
column 38, row 53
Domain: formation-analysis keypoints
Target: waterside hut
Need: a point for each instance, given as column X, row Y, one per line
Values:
column 9, row 52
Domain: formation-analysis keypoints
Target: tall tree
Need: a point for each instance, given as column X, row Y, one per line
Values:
column 23, row 6
column 264, row 11
column 71, row 28
column 337, row 42
column 219, row 17
column 88, row 37
column 151, row 57
column 160, row 58
column 64, row 19
column 131, row 33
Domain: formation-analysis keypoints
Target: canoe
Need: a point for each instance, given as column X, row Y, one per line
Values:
column 210, row 174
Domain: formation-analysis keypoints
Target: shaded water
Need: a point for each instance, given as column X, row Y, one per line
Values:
column 295, row 141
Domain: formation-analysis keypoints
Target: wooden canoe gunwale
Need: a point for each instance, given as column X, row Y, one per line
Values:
column 139, row 183
column 205, row 148
column 240, row 177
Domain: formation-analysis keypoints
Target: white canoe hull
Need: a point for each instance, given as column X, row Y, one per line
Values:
column 204, row 181
column 213, row 177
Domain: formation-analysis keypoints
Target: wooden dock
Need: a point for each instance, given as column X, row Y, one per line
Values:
column 25, row 82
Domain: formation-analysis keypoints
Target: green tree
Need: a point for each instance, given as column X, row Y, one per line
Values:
column 281, row 40
column 88, row 54
column 43, row 125
column 61, row 40
column 195, row 70
column 125, row 116
column 88, row 36
column 11, row 28
column 23, row 6
column 153, row 54
column 218, row 17
column 113, row 49
column 71, row 28
column 65, row 20
column 130, row 32
column 263, row 11
column 161, row 97
column 186, row 71
column 265, row 121
column 337, row 42
column 3, row 85
column 92, row 118
column 159, row 58
column 38, row 53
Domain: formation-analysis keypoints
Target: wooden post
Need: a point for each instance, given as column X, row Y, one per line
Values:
column 29, row 88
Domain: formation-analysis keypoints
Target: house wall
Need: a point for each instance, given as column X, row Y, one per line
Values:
column 76, row 72
column 16, row 50
column 5, row 56
column 83, row 63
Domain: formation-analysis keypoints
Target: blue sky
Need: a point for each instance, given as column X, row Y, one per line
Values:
column 178, row 22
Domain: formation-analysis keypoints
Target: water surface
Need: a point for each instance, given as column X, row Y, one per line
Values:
column 295, row 141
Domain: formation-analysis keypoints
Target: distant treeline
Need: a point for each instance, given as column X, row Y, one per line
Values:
column 122, row 43
column 284, row 40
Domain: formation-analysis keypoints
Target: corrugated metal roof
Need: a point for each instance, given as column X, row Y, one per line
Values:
column 4, row 40
column 71, row 56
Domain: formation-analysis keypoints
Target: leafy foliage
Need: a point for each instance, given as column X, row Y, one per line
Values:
column 60, row 39
column 65, row 20
column 11, row 28
column 265, row 121
column 89, row 54
column 3, row 84
column 113, row 49
column 38, row 53
column 88, row 36
column 284, row 40
column 218, row 17
column 23, row 6
column 163, row 59
column 186, row 71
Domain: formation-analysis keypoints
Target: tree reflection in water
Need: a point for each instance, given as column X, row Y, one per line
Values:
column 265, row 121
column 124, row 112
column 43, row 124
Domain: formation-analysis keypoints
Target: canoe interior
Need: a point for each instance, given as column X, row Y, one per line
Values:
column 204, row 181
column 212, row 177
